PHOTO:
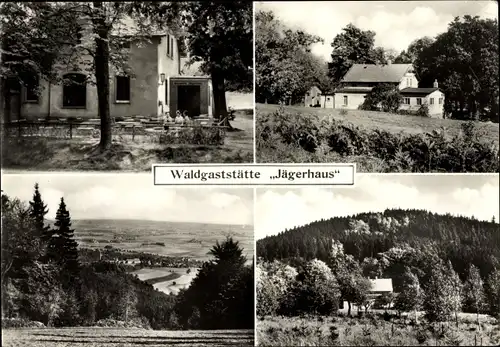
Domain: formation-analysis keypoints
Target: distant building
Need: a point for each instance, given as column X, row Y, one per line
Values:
column 414, row 98
column 380, row 286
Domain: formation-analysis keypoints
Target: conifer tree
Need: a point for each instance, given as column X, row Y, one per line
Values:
column 38, row 212
column 474, row 291
column 64, row 244
column 437, row 303
column 493, row 292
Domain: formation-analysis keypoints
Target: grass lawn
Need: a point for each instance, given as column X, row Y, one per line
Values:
column 375, row 331
column 36, row 153
column 112, row 337
column 388, row 121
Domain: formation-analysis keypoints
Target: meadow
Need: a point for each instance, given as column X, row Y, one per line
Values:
column 376, row 141
column 375, row 331
column 167, row 280
column 112, row 337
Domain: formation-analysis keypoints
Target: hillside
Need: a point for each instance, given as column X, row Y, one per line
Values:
column 391, row 122
column 395, row 233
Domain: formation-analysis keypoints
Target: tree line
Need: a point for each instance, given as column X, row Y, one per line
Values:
column 295, row 287
column 44, row 280
column 464, row 60
column 385, row 244
column 42, row 39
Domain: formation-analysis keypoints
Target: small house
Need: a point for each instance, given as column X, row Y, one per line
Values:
column 315, row 98
column 414, row 98
column 380, row 286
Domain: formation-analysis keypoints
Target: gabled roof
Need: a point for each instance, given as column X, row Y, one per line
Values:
column 417, row 91
column 376, row 73
column 381, row 285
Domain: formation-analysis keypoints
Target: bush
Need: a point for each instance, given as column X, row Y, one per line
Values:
column 423, row 111
column 291, row 138
column 20, row 323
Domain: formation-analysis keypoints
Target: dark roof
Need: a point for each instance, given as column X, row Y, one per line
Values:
column 376, row 73
column 354, row 90
column 417, row 91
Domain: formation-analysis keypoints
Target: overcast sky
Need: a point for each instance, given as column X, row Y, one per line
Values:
column 133, row 196
column 396, row 23
column 467, row 195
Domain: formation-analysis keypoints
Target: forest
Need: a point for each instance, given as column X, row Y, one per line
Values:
column 45, row 281
column 445, row 273
column 464, row 60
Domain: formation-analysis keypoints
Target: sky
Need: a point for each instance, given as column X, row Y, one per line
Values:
column 466, row 195
column 132, row 196
column 396, row 23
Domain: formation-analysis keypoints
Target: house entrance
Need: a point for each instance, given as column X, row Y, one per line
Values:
column 189, row 100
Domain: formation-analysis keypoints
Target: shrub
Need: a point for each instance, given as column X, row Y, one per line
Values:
column 423, row 111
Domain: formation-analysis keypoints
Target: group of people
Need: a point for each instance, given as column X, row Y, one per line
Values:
column 180, row 118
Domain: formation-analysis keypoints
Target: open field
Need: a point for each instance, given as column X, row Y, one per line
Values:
column 167, row 280
column 192, row 240
column 375, row 331
column 394, row 123
column 112, row 337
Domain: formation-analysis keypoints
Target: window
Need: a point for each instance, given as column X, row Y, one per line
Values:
column 32, row 86
column 75, row 90
column 122, row 88
column 411, row 82
column 345, row 100
column 172, row 47
column 419, row 101
column 440, row 101
column 432, row 101
column 168, row 45
column 406, row 101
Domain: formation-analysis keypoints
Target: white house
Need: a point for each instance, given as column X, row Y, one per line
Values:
column 379, row 287
column 414, row 98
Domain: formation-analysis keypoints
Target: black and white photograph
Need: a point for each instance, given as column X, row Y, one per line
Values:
column 110, row 260
column 123, row 85
column 398, row 260
column 394, row 86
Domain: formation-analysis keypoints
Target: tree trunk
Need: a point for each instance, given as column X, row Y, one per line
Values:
column 101, row 62
column 349, row 308
column 219, row 90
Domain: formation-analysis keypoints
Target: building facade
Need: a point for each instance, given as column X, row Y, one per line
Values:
column 154, row 87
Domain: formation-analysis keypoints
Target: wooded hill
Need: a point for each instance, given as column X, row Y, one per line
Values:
column 384, row 243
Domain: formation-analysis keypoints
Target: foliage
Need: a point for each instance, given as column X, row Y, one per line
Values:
column 220, row 36
column 464, row 60
column 493, row 292
column 353, row 46
column 221, row 294
column 411, row 296
column 299, row 137
column 423, row 110
column 474, row 291
column 285, row 67
column 383, row 97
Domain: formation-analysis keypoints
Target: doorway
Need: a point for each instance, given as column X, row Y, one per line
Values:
column 188, row 98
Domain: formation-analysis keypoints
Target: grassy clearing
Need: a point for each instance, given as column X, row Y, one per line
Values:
column 36, row 153
column 376, row 142
column 112, row 337
column 374, row 331
column 394, row 123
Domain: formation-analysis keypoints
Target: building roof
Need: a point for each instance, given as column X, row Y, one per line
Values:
column 376, row 73
column 417, row 91
column 354, row 90
column 381, row 285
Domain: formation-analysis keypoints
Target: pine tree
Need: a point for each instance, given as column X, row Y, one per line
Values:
column 64, row 244
column 439, row 301
column 474, row 291
column 38, row 212
column 493, row 292
column 455, row 290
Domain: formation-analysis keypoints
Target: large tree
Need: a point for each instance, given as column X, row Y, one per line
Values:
column 285, row 66
column 353, row 46
column 38, row 211
column 474, row 291
column 63, row 244
column 220, row 36
column 465, row 62
column 411, row 296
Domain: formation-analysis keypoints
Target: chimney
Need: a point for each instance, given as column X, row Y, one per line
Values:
column 435, row 85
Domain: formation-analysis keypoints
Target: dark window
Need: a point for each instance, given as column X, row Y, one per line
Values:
column 168, row 45
column 172, row 47
column 75, row 90
column 432, row 101
column 419, row 101
column 122, row 88
column 345, row 100
column 32, row 90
